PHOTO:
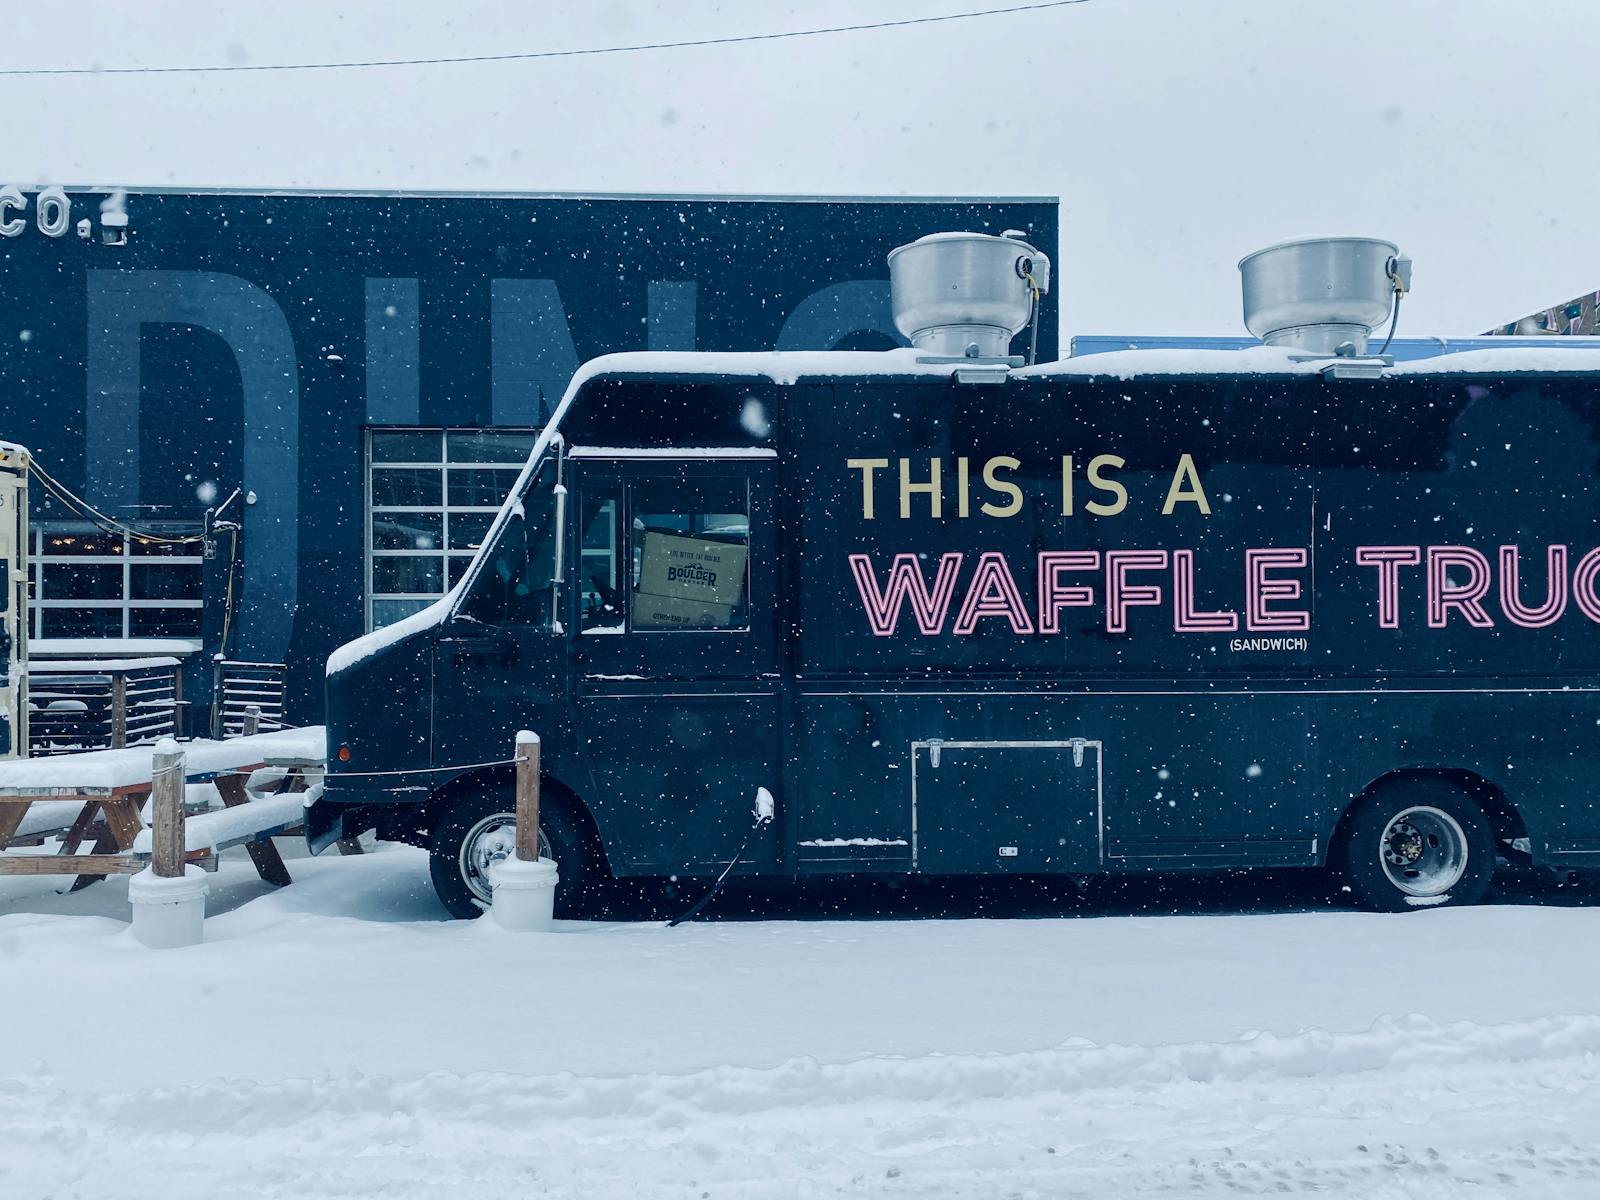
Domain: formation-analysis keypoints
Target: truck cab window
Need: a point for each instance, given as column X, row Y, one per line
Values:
column 513, row 584
column 601, row 601
column 690, row 554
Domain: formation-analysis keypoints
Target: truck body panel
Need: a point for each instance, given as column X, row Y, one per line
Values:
column 1073, row 622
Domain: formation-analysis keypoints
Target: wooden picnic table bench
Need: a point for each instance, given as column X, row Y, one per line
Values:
column 116, row 784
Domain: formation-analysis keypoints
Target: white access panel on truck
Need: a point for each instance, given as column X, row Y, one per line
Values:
column 14, row 598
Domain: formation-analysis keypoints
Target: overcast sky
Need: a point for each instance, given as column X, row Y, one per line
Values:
column 1179, row 134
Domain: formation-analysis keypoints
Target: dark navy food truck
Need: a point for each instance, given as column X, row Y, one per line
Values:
column 1290, row 606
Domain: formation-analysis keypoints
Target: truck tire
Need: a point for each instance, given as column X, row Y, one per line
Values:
column 1420, row 843
column 480, row 826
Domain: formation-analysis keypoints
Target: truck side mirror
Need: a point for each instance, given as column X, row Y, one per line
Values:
column 558, row 572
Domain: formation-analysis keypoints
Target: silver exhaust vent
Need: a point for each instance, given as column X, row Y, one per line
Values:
column 966, row 295
column 1322, row 295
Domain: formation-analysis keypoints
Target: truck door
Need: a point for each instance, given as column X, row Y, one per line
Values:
column 501, row 665
column 676, row 663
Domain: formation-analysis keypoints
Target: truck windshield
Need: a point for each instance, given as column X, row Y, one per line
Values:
column 512, row 585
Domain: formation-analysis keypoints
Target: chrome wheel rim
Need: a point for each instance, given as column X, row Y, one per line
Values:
column 1423, row 851
column 493, row 838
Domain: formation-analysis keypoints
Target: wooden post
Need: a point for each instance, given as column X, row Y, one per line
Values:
column 252, row 720
column 528, row 796
column 524, row 884
column 169, row 902
column 11, row 813
column 166, row 788
column 119, row 710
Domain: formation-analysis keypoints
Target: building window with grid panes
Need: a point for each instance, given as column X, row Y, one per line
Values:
column 431, row 497
column 88, row 583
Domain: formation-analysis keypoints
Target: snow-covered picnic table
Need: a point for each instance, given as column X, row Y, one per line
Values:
column 116, row 783
column 105, row 772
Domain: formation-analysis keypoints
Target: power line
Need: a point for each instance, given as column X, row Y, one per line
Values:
column 82, row 508
column 583, row 52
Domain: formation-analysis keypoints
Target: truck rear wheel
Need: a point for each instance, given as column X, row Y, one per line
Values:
column 1420, row 843
column 481, row 826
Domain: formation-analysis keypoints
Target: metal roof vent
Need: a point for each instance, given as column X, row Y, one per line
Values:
column 966, row 295
column 1323, row 295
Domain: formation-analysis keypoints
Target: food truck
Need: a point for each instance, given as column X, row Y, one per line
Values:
column 938, row 611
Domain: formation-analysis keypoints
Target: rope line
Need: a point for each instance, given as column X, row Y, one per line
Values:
column 501, row 762
column 582, row 52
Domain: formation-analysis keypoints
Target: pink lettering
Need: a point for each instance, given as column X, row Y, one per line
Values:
column 906, row 584
column 993, row 593
column 1555, row 589
column 1260, row 591
column 1055, row 595
column 1583, row 593
column 1122, row 595
column 1185, row 619
column 1468, row 597
column 1388, row 560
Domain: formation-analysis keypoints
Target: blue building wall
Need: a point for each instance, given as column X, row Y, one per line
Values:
column 249, row 339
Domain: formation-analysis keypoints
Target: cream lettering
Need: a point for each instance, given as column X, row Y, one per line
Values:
column 1186, row 487
column 1001, row 485
column 866, row 466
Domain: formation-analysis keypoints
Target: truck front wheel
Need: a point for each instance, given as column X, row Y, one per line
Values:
column 481, row 826
column 1419, row 843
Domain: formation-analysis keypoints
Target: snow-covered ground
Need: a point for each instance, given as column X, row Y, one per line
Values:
column 337, row 1038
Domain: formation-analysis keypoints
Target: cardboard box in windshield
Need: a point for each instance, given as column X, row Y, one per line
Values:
column 684, row 567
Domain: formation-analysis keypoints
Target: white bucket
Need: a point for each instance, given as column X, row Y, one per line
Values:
column 524, row 893
column 169, row 912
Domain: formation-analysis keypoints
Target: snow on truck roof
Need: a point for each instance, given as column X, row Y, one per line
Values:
column 787, row 367
column 779, row 366
column 1276, row 360
column 1512, row 360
